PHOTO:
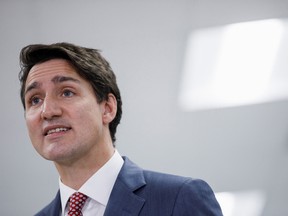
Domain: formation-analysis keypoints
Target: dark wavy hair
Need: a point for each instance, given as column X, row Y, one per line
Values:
column 89, row 64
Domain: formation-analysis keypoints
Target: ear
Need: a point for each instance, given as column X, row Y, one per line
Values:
column 110, row 109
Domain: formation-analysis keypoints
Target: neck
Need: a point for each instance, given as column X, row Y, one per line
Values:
column 76, row 172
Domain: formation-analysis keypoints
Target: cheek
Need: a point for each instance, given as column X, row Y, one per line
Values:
column 29, row 122
column 32, row 125
column 89, row 117
column 89, row 110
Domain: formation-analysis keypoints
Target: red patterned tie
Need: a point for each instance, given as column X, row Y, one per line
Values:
column 77, row 201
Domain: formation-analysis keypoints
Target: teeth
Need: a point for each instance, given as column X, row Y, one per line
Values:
column 56, row 130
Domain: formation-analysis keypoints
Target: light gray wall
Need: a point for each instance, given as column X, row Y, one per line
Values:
column 234, row 149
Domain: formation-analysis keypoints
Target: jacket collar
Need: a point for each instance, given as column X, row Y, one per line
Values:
column 123, row 199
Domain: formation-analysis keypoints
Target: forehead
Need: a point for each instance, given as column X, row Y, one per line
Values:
column 49, row 69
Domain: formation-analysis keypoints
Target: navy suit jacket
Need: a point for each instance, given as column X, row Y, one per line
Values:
column 139, row 192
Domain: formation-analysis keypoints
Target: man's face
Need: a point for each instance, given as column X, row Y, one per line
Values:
column 63, row 117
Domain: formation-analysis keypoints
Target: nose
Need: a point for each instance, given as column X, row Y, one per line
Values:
column 50, row 109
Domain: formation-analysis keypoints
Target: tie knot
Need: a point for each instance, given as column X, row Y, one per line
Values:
column 76, row 202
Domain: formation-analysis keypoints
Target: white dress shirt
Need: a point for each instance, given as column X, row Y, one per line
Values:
column 98, row 188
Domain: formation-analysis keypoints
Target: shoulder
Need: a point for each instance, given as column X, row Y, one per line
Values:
column 197, row 196
column 131, row 171
column 180, row 195
column 162, row 180
column 190, row 196
column 179, row 185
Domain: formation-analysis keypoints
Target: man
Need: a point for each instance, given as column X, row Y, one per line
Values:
column 72, row 108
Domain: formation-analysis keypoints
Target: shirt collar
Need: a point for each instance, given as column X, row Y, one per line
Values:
column 99, row 186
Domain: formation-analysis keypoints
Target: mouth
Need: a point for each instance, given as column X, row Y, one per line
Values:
column 56, row 130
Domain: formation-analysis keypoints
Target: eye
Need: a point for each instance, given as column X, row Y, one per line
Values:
column 67, row 93
column 34, row 101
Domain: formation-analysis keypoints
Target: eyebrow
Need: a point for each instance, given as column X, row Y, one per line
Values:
column 55, row 80
column 60, row 79
column 33, row 85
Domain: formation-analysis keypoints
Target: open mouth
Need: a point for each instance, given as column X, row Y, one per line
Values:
column 57, row 130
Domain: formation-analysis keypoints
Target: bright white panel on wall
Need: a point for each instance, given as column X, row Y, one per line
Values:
column 237, row 64
column 243, row 203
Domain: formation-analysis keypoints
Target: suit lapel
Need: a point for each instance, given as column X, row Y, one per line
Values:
column 56, row 204
column 123, row 200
